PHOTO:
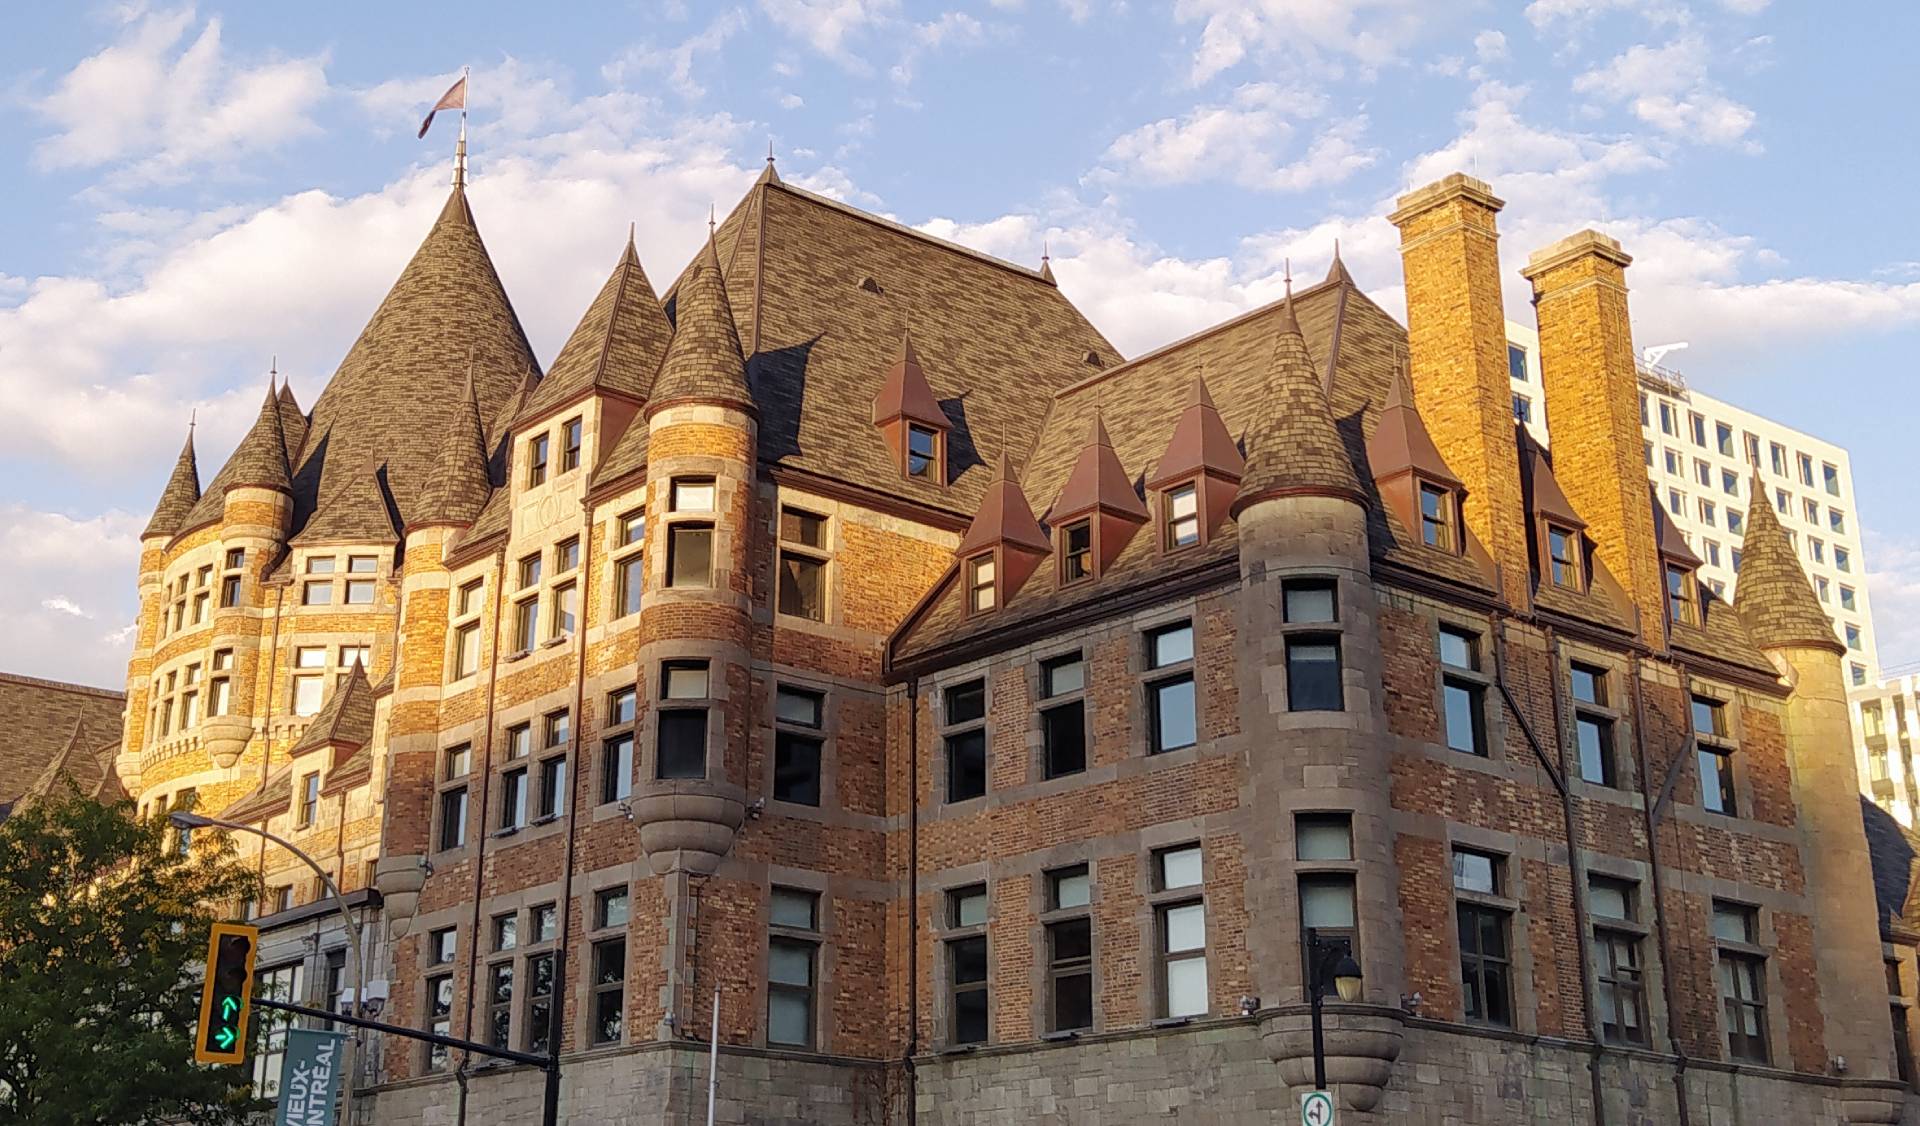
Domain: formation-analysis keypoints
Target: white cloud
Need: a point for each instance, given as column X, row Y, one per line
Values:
column 1574, row 16
column 1320, row 33
column 1490, row 46
column 1243, row 141
column 791, row 101
column 828, row 25
column 950, row 29
column 1893, row 578
column 1667, row 87
column 677, row 62
column 158, row 110
column 90, row 562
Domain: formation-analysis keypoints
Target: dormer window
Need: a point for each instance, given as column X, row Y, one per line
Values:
column 981, row 591
column 1683, row 605
column 1563, row 556
column 1436, row 518
column 537, row 461
column 1076, row 552
column 923, row 453
column 1183, row 516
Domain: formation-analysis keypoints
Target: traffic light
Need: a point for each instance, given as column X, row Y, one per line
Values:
column 227, row 994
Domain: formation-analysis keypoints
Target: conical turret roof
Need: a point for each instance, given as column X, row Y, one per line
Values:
column 293, row 422
column 704, row 361
column 261, row 458
column 1004, row 517
column 1099, row 480
column 617, row 346
column 459, row 483
column 1293, row 447
column 177, row 499
column 1772, row 595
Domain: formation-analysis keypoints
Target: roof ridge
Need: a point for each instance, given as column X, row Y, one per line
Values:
column 61, row 685
column 902, row 228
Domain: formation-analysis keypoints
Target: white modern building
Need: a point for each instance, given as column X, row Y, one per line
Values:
column 1701, row 452
column 1886, row 725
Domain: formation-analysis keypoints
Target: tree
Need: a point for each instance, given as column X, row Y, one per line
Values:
column 103, row 923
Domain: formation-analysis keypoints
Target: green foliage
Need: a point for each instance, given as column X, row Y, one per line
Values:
column 103, row 924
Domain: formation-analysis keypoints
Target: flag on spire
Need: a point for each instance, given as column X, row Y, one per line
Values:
column 454, row 98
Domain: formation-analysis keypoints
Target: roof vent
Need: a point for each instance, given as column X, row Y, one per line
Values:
column 871, row 285
column 1092, row 357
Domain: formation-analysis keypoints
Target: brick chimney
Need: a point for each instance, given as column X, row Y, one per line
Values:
column 1457, row 337
column 1586, row 362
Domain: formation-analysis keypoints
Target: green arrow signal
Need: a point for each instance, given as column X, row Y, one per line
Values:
column 224, row 1038
column 227, row 1007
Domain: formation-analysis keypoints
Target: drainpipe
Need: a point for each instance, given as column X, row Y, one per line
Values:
column 1570, row 822
column 913, row 900
column 266, row 727
column 1654, row 808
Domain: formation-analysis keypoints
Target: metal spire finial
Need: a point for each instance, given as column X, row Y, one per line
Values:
column 1286, row 264
column 460, row 148
column 710, row 223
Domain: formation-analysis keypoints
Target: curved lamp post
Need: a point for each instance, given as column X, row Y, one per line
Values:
column 1333, row 967
column 185, row 820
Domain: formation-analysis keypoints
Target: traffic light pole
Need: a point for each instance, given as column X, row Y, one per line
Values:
column 186, row 819
column 372, row 1025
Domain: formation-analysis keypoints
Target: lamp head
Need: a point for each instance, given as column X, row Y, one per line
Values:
column 183, row 820
column 1346, row 978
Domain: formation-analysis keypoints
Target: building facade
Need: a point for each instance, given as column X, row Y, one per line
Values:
column 991, row 726
column 1887, row 725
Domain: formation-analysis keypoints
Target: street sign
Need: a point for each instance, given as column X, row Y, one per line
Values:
column 309, row 1078
column 1316, row 1109
column 226, row 994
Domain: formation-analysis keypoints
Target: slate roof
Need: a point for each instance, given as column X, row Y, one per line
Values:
column 1891, row 850
column 617, row 346
column 293, row 421
column 272, row 797
column 346, row 721
column 1773, row 595
column 459, row 483
column 1099, row 480
column 39, row 718
column 260, row 460
column 84, row 761
column 178, row 498
column 359, row 511
column 704, row 361
column 1292, row 445
column 405, row 374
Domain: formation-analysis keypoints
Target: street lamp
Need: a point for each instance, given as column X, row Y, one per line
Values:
column 183, row 819
column 1331, row 964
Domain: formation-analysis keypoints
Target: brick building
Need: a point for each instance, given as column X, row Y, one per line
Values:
column 851, row 631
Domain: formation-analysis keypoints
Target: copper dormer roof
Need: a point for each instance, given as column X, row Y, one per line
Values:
column 1400, row 442
column 704, row 362
column 177, row 499
column 1201, row 443
column 1545, row 500
column 1004, row 518
column 1293, row 448
column 1673, row 545
column 905, row 393
column 1099, row 480
column 1772, row 595
column 616, row 347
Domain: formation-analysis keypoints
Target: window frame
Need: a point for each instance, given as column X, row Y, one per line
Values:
column 1719, row 744
column 572, row 443
column 971, row 728
column 1439, row 530
column 794, row 733
column 618, row 786
column 1171, row 520
column 1468, row 679
column 985, row 563
column 627, row 552
column 1613, row 976
column 818, row 555
column 1164, row 899
column 1499, row 905
column 808, row 941
column 678, row 710
column 1741, row 963
column 955, row 933
column 1161, row 677
column 1057, row 760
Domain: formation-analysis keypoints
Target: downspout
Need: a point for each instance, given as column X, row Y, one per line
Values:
column 556, row 1014
column 266, row 724
column 1576, row 871
column 480, row 837
column 1654, row 809
column 913, row 900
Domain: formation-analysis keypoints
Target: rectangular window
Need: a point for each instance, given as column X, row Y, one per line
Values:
column 1327, row 912
column 1681, row 598
column 1436, row 517
column 691, row 494
column 1830, row 478
column 466, row 650
column 316, row 593
column 1076, row 551
column 629, row 580
column 1323, row 836
column 1522, row 408
column 796, row 745
column 981, row 591
column 611, row 907
column 682, row 750
column 1703, row 473
column 1516, row 363
column 1462, row 696
column 526, row 624
column 1621, row 995
column 566, row 555
column 1486, row 965
column 1313, row 674
column 1743, row 976
column 1777, row 454
column 1715, row 757
column 553, row 787
column 570, row 441
column 1063, row 724
column 1183, row 516
column 1172, row 709
column 790, row 969
column 1070, row 975
column 1309, row 601
column 439, row 1017
column 539, row 1003
column 1730, row 483
column 453, row 818
column 1723, row 439
column 1563, row 556
column 513, row 798
column 1806, row 468
column 689, row 555
column 1842, row 560
column 609, row 990
column 1697, row 428
column 1848, row 599
column 1666, row 418
column 309, row 799
column 803, row 586
column 923, row 446
column 500, row 1005
column 468, row 601
column 566, row 609
column 616, row 768
column 1180, row 935
column 967, row 962
column 1836, row 521
column 966, row 740
column 537, row 461
column 1673, row 462
column 359, row 592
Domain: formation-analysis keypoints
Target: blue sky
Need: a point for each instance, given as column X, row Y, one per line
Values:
column 193, row 190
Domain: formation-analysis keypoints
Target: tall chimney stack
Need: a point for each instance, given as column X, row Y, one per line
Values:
column 1587, row 364
column 1457, row 343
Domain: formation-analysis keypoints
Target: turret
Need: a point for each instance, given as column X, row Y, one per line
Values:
column 1309, row 668
column 1777, row 605
column 697, row 617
